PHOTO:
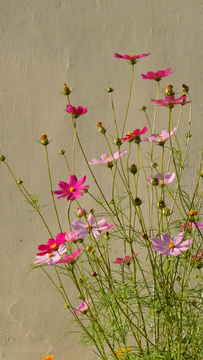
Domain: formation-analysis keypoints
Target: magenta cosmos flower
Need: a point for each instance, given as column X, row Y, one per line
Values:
column 91, row 225
column 132, row 135
column 160, row 139
column 108, row 160
column 82, row 308
column 50, row 258
column 158, row 75
column 52, row 244
column 70, row 258
column 71, row 190
column 162, row 181
column 125, row 260
column 132, row 58
column 167, row 246
column 75, row 111
column 170, row 101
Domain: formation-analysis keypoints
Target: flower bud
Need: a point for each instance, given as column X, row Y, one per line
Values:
column 143, row 108
column 66, row 90
column 198, row 264
column 81, row 212
column 193, row 216
column 80, row 281
column 67, row 306
column 91, row 211
column 133, row 169
column 144, row 236
column 137, row 201
column 102, row 130
column 169, row 90
column 94, row 274
column 112, row 202
column 117, row 141
column 85, row 191
column 188, row 136
column 2, row 158
column 44, row 139
column 154, row 181
column 201, row 173
column 62, row 152
column 185, row 88
column 99, row 124
column 110, row 90
column 19, row 182
column 88, row 248
column 178, row 278
column 161, row 204
column 195, row 276
column 153, row 165
column 106, row 236
column 166, row 211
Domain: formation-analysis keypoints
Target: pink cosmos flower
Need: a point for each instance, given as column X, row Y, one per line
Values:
column 72, row 236
column 132, row 58
column 132, row 135
column 81, row 212
column 170, row 101
column 199, row 256
column 52, row 244
column 106, row 159
column 191, row 225
column 125, row 260
column 70, row 258
column 167, row 246
column 50, row 258
column 75, row 111
column 82, row 308
column 158, row 75
column 71, row 190
column 166, row 181
column 94, row 227
column 160, row 139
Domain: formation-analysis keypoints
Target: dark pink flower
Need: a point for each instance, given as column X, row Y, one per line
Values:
column 71, row 190
column 191, row 225
column 167, row 246
column 70, row 258
column 170, row 101
column 50, row 258
column 75, row 111
column 132, row 58
column 52, row 244
column 158, row 75
column 82, row 308
column 94, row 227
column 125, row 260
column 132, row 135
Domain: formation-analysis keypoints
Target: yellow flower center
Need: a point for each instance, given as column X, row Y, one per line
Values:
column 50, row 255
column 132, row 55
column 72, row 189
column 107, row 158
column 171, row 245
column 160, row 181
column 89, row 226
column 54, row 246
column 160, row 137
column 130, row 133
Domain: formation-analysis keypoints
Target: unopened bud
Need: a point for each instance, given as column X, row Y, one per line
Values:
column 144, row 236
column 62, row 152
column 44, row 139
column 154, row 181
column 99, row 124
column 81, row 212
column 80, row 281
column 91, row 211
column 161, row 204
column 117, row 141
column 193, row 216
column 195, row 276
column 178, row 278
column 188, row 136
column 137, row 201
column 169, row 90
column 67, row 306
column 110, row 90
column 112, row 202
column 94, row 274
column 85, row 191
column 143, row 108
column 66, row 90
column 80, row 296
column 198, row 264
column 185, row 88
column 201, row 173
column 19, row 182
column 153, row 165
column 2, row 158
column 166, row 211
column 88, row 248
column 106, row 236
column 133, row 169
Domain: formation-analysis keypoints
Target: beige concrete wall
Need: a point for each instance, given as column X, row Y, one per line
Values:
column 43, row 44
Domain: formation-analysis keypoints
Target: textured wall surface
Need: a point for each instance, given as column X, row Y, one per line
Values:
column 43, row 44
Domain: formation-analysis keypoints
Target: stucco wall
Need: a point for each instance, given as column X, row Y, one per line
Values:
column 43, row 44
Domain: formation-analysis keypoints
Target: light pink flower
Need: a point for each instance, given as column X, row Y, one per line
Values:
column 75, row 111
column 170, row 101
column 158, row 75
column 125, row 260
column 106, row 159
column 82, row 308
column 50, row 258
column 72, row 236
column 71, row 190
column 132, row 135
column 94, row 227
column 132, row 58
column 70, row 258
column 81, row 212
column 167, row 246
column 52, row 244
column 166, row 181
column 160, row 139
